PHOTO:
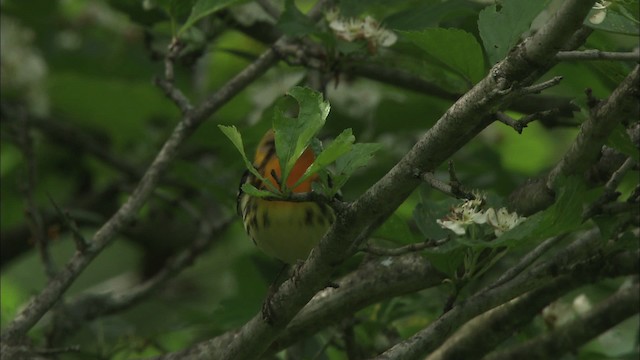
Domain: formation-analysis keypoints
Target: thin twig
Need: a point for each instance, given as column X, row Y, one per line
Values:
column 53, row 351
column 594, row 131
column 374, row 281
column 32, row 212
column 38, row 305
column 618, row 208
column 538, row 88
column 207, row 234
column 520, row 124
column 616, row 177
column 517, row 125
column 542, row 116
column 78, row 238
column 634, row 197
column 88, row 307
column 407, row 80
column 567, row 266
column 174, row 94
column 465, row 119
column 167, row 84
column 173, row 50
column 578, row 331
column 453, row 188
column 598, row 55
column 437, row 184
column 610, row 193
column 402, row 250
column 527, row 260
column 61, row 131
column 456, row 186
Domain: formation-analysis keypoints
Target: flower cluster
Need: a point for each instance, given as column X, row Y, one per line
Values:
column 22, row 68
column 471, row 212
column 356, row 29
column 461, row 217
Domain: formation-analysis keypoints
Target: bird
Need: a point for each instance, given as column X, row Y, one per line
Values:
column 285, row 230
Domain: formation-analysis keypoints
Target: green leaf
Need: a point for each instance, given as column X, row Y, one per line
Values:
column 340, row 146
column 397, row 230
column 501, row 28
column 427, row 14
column 565, row 215
column 176, row 10
column 236, row 139
column 447, row 258
column 179, row 9
column 346, row 165
column 453, row 48
column 619, row 140
column 609, row 224
column 293, row 135
column 293, row 22
column 428, row 211
column 253, row 191
column 204, row 8
column 10, row 159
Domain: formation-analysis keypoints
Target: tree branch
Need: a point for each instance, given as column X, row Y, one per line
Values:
column 376, row 280
column 566, row 266
column 598, row 55
column 466, row 118
column 538, row 88
column 610, row 193
column 621, row 104
column 484, row 332
column 312, row 56
column 528, row 259
column 91, row 306
column 59, row 131
column 37, row 306
column 453, row 188
column 32, row 211
column 536, row 194
column 174, row 94
column 563, row 339
column 402, row 250
column 33, row 311
column 517, row 125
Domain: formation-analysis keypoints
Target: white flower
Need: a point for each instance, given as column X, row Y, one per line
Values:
column 461, row 217
column 382, row 36
column 23, row 70
column 600, row 13
column 386, row 38
column 502, row 220
column 332, row 14
column 355, row 29
column 370, row 27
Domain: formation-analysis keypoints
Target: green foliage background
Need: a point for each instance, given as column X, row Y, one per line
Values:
column 100, row 57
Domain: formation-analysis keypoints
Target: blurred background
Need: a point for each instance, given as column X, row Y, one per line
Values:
column 78, row 99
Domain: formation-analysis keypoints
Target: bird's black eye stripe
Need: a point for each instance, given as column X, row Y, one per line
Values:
column 267, row 157
column 243, row 179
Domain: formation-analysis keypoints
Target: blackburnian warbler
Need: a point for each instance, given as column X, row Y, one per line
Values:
column 285, row 230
